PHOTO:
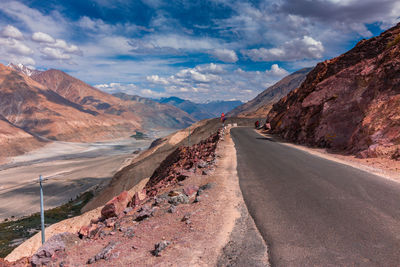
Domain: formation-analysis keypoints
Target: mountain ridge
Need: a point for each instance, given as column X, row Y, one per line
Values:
column 349, row 103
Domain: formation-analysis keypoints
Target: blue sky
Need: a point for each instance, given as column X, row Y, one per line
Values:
column 198, row 50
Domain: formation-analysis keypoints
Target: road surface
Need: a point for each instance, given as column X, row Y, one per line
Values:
column 315, row 212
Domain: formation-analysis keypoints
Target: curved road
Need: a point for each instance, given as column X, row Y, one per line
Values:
column 315, row 212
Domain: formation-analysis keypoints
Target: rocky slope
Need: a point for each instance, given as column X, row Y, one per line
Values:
column 39, row 111
column 262, row 103
column 146, row 114
column 350, row 103
column 15, row 141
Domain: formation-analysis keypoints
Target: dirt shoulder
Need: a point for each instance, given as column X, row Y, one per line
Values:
column 383, row 167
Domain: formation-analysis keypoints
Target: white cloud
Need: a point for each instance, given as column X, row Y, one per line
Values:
column 54, row 54
column 225, row 55
column 157, row 79
column 277, row 71
column 72, row 49
column 42, row 37
column 298, row 49
column 12, row 32
column 15, row 47
column 213, row 81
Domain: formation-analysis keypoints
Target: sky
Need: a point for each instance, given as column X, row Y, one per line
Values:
column 201, row 50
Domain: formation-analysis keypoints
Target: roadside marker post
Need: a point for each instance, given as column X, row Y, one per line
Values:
column 41, row 208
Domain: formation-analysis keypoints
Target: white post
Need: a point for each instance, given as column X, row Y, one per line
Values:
column 41, row 208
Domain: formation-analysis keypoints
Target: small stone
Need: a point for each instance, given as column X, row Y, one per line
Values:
column 160, row 247
column 144, row 212
column 190, row 190
column 127, row 210
column 197, row 199
column 179, row 199
column 186, row 217
column 172, row 209
column 105, row 253
column 129, row 233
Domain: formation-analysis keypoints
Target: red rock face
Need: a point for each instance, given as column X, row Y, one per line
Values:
column 350, row 103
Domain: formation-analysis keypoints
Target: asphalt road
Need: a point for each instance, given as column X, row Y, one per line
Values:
column 315, row 212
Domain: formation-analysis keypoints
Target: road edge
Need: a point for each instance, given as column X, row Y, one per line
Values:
column 245, row 245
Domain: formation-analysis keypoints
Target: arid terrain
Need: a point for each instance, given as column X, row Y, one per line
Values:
column 71, row 168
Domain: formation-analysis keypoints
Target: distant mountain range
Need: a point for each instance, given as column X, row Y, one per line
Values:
column 262, row 103
column 52, row 105
column 201, row 111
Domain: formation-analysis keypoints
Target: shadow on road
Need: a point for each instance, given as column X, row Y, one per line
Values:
column 266, row 138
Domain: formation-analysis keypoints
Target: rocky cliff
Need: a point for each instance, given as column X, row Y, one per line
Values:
column 350, row 103
column 262, row 103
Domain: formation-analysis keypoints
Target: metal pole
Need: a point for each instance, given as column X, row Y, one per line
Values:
column 41, row 208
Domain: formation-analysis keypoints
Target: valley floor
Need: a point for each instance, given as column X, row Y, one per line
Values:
column 71, row 168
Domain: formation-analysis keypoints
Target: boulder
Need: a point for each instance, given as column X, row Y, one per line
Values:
column 56, row 243
column 116, row 205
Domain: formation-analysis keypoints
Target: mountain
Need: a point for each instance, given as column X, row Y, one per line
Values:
column 15, row 141
column 262, row 103
column 23, row 69
column 145, row 113
column 155, row 113
column 201, row 111
column 39, row 111
column 350, row 103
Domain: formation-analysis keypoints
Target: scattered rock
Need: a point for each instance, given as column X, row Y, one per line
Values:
column 207, row 186
column 190, row 190
column 56, row 243
column 197, row 199
column 396, row 154
column 116, row 205
column 143, row 213
column 180, row 198
column 130, row 233
column 160, row 247
column 202, row 164
column 127, row 210
column 105, row 253
column 186, row 217
column 172, row 209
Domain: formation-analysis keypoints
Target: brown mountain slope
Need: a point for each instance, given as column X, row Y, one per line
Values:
column 262, row 103
column 15, row 141
column 349, row 103
column 154, row 113
column 37, row 110
column 146, row 114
